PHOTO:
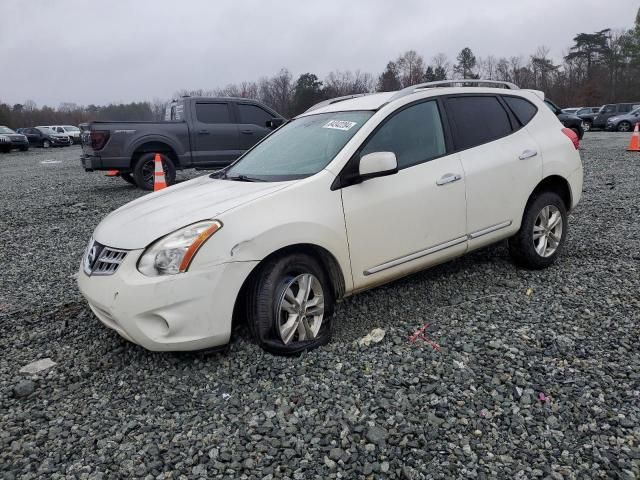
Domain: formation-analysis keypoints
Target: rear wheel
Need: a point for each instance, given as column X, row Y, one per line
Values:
column 542, row 234
column 290, row 304
column 143, row 171
column 624, row 126
column 46, row 144
column 586, row 126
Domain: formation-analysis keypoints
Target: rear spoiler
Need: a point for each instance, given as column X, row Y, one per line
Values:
column 538, row 93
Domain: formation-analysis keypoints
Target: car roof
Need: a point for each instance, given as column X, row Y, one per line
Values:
column 375, row 101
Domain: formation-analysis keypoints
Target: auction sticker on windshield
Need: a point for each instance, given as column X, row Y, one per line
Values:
column 339, row 125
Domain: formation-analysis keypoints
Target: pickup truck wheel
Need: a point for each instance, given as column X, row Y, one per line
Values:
column 127, row 177
column 289, row 305
column 143, row 171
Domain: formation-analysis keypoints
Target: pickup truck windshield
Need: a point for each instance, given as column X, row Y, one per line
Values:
column 300, row 148
column 6, row 130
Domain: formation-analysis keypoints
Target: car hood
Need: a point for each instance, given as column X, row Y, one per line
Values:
column 141, row 222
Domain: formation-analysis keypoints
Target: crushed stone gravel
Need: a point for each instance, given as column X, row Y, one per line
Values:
column 537, row 374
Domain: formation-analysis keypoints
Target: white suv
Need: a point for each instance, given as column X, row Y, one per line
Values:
column 353, row 193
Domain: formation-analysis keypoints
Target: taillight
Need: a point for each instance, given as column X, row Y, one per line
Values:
column 98, row 138
column 573, row 136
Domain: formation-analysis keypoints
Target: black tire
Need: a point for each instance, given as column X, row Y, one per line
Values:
column 587, row 126
column 263, row 299
column 5, row 149
column 521, row 245
column 624, row 126
column 127, row 177
column 143, row 171
column 25, row 148
column 46, row 144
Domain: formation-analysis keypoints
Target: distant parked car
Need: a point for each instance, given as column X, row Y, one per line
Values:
column 45, row 137
column 10, row 140
column 70, row 130
column 623, row 123
column 569, row 121
column 587, row 114
column 611, row 110
column 571, row 110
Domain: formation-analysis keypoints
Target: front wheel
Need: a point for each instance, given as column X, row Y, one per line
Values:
column 289, row 305
column 542, row 234
column 624, row 126
column 24, row 148
column 46, row 144
column 145, row 167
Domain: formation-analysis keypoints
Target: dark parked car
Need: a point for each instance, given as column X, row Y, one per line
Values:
column 624, row 122
column 45, row 137
column 570, row 121
column 612, row 110
column 198, row 132
column 587, row 114
column 10, row 140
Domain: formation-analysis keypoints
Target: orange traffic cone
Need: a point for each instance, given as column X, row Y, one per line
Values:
column 634, row 143
column 158, row 175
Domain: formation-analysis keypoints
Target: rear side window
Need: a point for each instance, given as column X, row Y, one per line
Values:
column 253, row 115
column 213, row 113
column 522, row 109
column 477, row 120
column 414, row 134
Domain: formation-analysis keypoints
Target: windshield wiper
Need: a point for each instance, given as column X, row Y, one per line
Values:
column 244, row 178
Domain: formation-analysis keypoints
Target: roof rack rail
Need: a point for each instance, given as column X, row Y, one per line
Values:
column 331, row 101
column 442, row 83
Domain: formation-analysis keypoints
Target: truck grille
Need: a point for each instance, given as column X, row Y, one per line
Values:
column 101, row 260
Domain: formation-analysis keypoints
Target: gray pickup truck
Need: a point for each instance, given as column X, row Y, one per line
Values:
column 198, row 132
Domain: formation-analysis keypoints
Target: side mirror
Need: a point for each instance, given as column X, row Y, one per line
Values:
column 274, row 123
column 377, row 164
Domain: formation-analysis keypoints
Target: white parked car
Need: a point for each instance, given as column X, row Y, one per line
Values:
column 354, row 193
column 72, row 132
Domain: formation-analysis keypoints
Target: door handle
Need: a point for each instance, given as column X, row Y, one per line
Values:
column 248, row 132
column 448, row 178
column 203, row 132
column 528, row 153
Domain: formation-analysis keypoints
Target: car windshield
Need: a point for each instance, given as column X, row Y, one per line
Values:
column 300, row 148
column 6, row 130
column 635, row 111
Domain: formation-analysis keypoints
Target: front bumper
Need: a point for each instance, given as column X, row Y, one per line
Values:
column 188, row 311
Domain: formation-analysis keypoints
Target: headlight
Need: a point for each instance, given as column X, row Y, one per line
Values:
column 173, row 254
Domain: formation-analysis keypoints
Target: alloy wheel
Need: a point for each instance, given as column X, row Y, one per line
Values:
column 624, row 127
column 301, row 309
column 547, row 231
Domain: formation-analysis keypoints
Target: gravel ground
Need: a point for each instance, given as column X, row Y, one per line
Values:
column 537, row 374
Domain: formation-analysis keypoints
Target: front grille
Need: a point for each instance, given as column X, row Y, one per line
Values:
column 101, row 260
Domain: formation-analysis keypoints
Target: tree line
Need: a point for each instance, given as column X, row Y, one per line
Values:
column 600, row 67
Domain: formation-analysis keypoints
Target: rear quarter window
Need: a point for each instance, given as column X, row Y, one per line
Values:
column 477, row 120
column 523, row 109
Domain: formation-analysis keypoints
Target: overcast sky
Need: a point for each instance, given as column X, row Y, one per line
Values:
column 119, row 51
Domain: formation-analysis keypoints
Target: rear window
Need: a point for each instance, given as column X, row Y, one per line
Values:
column 253, row 115
column 477, row 120
column 523, row 109
column 213, row 113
